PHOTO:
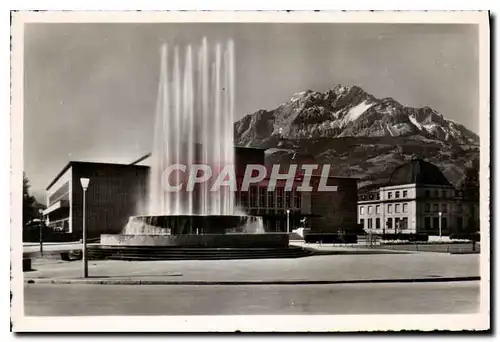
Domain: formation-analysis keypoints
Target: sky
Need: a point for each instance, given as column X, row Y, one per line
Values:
column 90, row 89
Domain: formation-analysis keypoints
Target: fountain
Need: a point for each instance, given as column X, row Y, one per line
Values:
column 193, row 126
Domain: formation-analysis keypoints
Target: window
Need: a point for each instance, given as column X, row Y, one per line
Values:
column 377, row 223
column 288, row 199
column 397, row 194
column 405, row 207
column 444, row 223
column 427, row 223
column 427, row 208
column 369, row 209
column 459, row 223
column 444, row 208
column 270, row 199
column 436, row 193
column 435, row 207
column 297, row 199
column 435, row 223
column 389, row 208
column 253, row 196
column 427, row 193
column 279, row 225
column 377, row 209
column 397, row 208
column 279, row 198
column 404, row 223
column 443, row 194
column 389, row 195
column 370, row 223
column 405, row 193
column 262, row 197
column 378, row 195
column 362, row 223
column 244, row 198
column 397, row 223
column 389, row 223
column 59, row 193
column 361, row 210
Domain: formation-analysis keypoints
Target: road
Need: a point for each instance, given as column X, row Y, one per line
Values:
column 411, row 298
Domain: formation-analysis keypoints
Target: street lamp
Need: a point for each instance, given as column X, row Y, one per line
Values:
column 85, row 184
column 440, row 214
column 288, row 221
column 40, row 211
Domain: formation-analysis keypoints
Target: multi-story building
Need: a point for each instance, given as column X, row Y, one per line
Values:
column 417, row 199
column 116, row 192
column 113, row 195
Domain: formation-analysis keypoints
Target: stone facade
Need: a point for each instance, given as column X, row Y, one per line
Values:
column 419, row 199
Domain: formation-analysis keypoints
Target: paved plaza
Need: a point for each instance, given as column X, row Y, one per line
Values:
column 320, row 284
column 313, row 268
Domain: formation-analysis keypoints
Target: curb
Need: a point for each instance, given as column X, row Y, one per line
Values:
column 320, row 251
column 284, row 282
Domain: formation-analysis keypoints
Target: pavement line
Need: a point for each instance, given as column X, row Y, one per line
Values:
column 97, row 281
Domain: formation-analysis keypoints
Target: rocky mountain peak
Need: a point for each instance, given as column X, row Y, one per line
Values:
column 348, row 111
column 358, row 134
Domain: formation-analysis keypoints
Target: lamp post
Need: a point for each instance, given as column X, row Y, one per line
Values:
column 85, row 184
column 40, row 211
column 288, row 221
column 440, row 214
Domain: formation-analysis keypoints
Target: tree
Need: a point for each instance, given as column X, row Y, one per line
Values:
column 29, row 202
column 470, row 188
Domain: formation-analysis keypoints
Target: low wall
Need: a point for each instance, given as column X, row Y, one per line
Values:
column 270, row 240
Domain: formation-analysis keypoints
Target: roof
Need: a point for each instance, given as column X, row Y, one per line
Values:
column 74, row 162
column 418, row 171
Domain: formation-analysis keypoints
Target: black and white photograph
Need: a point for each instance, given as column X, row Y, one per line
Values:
column 254, row 172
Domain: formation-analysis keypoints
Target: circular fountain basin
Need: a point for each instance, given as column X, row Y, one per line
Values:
column 192, row 224
column 270, row 240
column 171, row 237
column 204, row 231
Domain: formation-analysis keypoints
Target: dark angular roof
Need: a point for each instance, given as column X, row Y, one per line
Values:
column 418, row 171
column 75, row 162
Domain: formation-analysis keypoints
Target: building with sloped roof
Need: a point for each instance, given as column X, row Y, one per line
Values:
column 418, row 198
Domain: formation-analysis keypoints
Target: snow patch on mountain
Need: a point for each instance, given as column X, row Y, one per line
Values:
column 430, row 127
column 298, row 96
column 414, row 121
column 389, row 130
column 355, row 112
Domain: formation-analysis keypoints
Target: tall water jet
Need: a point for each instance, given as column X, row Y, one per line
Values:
column 194, row 119
column 194, row 124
